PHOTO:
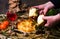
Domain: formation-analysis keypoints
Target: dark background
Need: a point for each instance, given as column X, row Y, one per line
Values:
column 4, row 4
column 34, row 2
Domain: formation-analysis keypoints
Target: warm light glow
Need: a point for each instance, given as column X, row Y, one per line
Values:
column 26, row 26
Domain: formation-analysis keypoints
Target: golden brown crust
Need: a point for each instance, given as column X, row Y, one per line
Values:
column 26, row 26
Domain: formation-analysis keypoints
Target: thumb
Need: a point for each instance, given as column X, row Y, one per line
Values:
column 39, row 7
column 45, row 18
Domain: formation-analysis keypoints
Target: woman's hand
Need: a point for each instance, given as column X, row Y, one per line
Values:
column 44, row 7
column 51, row 20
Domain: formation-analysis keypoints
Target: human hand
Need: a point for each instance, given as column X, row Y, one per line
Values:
column 51, row 20
column 44, row 7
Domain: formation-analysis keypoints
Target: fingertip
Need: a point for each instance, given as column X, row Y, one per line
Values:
column 41, row 12
column 46, row 25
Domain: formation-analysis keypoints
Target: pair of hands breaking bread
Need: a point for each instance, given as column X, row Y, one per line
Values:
column 50, row 19
column 33, row 13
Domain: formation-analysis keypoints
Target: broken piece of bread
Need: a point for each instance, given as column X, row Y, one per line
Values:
column 32, row 12
column 40, row 20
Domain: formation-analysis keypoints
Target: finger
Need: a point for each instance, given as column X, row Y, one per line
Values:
column 46, row 25
column 45, row 11
column 41, row 12
column 39, row 6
